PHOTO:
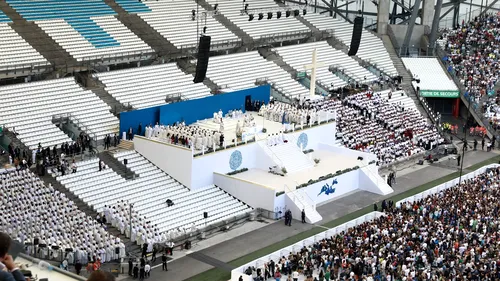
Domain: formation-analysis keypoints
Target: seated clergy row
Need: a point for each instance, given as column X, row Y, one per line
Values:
column 32, row 212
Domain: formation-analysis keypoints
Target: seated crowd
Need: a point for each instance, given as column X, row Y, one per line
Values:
column 50, row 224
column 450, row 235
column 473, row 57
column 368, row 122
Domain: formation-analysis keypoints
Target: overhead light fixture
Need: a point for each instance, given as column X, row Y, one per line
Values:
column 304, row 12
column 193, row 13
column 216, row 6
column 261, row 16
column 278, row 14
column 250, row 17
column 296, row 13
column 269, row 15
column 204, row 30
column 246, row 8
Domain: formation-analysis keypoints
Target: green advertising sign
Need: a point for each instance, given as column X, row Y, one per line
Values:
column 301, row 74
column 439, row 94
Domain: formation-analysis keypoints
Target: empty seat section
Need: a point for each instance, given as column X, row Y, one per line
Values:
column 85, row 29
column 148, row 86
column 246, row 68
column 149, row 192
column 30, row 107
column 371, row 48
column 173, row 20
column 259, row 28
column 300, row 55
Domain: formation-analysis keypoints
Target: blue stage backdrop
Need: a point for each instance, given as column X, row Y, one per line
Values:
column 192, row 110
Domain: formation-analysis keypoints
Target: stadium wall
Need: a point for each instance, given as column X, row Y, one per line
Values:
column 244, row 156
column 312, row 137
column 255, row 195
column 174, row 160
column 192, row 110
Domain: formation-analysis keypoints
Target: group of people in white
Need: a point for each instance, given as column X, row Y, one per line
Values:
column 291, row 115
column 188, row 136
column 34, row 212
column 198, row 138
column 143, row 230
column 367, row 121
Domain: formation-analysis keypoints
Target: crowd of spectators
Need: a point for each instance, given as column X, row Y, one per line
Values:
column 473, row 57
column 451, row 235
column 369, row 122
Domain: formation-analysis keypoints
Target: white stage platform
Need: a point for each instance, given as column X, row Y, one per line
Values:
column 329, row 163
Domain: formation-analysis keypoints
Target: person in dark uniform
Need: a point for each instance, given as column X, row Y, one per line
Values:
column 482, row 144
column 130, row 267
column 303, row 216
column 164, row 262
column 459, row 157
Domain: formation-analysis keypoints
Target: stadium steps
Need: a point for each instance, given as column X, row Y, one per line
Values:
column 270, row 55
column 39, row 40
column 189, row 68
column 143, row 30
column 407, row 77
column 116, row 106
column 130, row 247
column 236, row 30
column 126, row 145
column 117, row 166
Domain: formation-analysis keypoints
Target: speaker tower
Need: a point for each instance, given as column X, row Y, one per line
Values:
column 202, row 64
column 356, row 36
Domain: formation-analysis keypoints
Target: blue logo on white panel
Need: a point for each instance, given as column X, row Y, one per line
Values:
column 235, row 160
column 328, row 189
column 302, row 140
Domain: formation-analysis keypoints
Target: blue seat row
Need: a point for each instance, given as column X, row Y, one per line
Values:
column 133, row 6
column 76, row 13
column 4, row 17
column 60, row 9
column 93, row 33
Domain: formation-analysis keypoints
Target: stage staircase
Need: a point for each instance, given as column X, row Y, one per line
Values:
column 299, row 200
column 288, row 155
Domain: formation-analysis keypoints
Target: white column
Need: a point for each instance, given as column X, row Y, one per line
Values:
column 313, row 75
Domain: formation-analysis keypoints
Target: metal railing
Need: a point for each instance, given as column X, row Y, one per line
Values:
column 70, row 117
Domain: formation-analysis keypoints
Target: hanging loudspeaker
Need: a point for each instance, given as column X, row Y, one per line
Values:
column 356, row 36
column 205, row 215
column 203, row 53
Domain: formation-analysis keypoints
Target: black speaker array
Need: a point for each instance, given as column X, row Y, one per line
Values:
column 203, row 54
column 356, row 36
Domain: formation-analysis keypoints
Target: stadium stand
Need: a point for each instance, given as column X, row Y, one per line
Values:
column 371, row 48
column 88, row 30
column 472, row 49
column 149, row 192
column 247, row 68
column 260, row 28
column 30, row 108
column 32, row 210
column 148, row 86
column 300, row 55
column 430, row 73
column 15, row 52
column 439, row 234
column 174, row 21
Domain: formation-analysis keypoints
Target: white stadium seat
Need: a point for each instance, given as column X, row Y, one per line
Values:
column 30, row 107
column 149, row 192
column 148, row 86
